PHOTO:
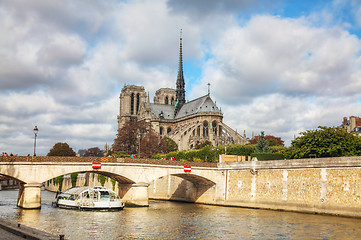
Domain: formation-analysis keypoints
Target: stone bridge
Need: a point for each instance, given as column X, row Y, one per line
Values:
column 134, row 176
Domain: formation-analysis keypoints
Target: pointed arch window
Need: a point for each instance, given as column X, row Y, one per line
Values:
column 132, row 104
column 214, row 127
column 138, row 102
column 166, row 100
column 205, row 129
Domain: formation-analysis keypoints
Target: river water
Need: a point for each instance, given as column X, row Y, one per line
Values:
column 172, row 220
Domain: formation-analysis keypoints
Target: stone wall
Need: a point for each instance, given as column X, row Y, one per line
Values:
column 325, row 186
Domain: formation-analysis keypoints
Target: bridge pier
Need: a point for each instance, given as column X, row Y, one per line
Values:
column 136, row 194
column 29, row 196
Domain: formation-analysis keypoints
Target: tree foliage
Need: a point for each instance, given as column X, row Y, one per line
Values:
column 262, row 144
column 61, row 149
column 203, row 144
column 128, row 137
column 171, row 144
column 151, row 144
column 324, row 142
column 93, row 152
column 272, row 141
column 134, row 134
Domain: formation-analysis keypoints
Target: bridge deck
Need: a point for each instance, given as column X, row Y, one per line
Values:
column 104, row 160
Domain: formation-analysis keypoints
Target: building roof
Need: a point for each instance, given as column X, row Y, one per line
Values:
column 159, row 110
column 198, row 105
column 201, row 104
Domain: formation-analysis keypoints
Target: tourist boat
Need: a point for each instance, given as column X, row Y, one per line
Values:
column 89, row 198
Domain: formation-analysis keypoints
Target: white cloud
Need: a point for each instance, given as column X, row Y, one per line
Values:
column 63, row 64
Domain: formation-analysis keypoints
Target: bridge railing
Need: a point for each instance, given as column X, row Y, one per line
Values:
column 104, row 160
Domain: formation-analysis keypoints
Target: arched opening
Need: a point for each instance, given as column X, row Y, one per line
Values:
column 205, row 129
column 214, row 127
column 169, row 130
column 166, row 100
column 199, row 131
column 132, row 104
column 161, row 131
column 138, row 103
column 172, row 101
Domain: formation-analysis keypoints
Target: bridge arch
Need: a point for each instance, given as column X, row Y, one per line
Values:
column 135, row 180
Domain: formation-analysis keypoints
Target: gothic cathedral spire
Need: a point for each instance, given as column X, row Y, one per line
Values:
column 180, row 91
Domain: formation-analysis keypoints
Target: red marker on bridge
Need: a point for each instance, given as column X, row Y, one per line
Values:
column 97, row 165
column 187, row 168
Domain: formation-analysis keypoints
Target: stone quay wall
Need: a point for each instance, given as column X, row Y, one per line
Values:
column 323, row 186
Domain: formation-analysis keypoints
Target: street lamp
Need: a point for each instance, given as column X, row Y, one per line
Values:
column 36, row 134
column 140, row 139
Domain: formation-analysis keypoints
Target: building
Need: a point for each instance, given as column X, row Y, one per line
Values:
column 187, row 123
column 353, row 124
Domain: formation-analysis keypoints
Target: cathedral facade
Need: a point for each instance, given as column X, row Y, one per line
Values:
column 187, row 123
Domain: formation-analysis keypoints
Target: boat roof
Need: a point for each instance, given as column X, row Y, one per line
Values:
column 78, row 190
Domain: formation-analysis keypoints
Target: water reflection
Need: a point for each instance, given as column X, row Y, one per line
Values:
column 171, row 220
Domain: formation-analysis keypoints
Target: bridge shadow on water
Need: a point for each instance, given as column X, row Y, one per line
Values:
column 191, row 188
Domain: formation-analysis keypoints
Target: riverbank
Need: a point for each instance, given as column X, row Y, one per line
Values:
column 13, row 230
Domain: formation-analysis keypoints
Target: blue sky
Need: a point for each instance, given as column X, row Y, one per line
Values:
column 276, row 66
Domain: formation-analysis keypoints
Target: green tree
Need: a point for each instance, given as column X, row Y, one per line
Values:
column 324, row 142
column 61, row 149
column 262, row 144
column 171, row 144
column 203, row 144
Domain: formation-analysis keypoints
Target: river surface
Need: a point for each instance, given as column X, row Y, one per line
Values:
column 172, row 220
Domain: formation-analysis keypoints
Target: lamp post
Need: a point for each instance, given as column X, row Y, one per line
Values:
column 36, row 134
column 140, row 139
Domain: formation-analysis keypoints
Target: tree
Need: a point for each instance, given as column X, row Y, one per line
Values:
column 128, row 137
column 324, row 142
column 93, row 152
column 134, row 133
column 61, row 149
column 262, row 144
column 171, row 144
column 272, row 141
column 203, row 144
column 151, row 144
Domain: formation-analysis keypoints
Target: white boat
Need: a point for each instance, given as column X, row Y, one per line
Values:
column 89, row 198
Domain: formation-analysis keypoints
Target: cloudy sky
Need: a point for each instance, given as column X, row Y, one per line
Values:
column 278, row 66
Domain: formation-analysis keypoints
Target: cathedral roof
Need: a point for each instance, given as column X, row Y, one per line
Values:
column 158, row 110
column 198, row 105
column 201, row 104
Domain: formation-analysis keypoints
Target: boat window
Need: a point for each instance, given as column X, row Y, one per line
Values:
column 96, row 193
column 85, row 194
column 113, row 196
column 104, row 195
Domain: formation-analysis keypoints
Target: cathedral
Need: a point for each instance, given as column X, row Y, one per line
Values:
column 187, row 123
